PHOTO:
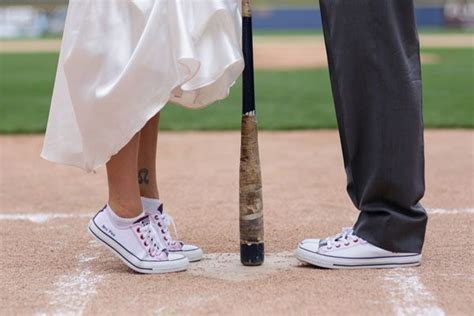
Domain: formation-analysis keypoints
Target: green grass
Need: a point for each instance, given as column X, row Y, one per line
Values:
column 448, row 89
column 286, row 99
column 25, row 91
column 422, row 31
column 285, row 3
column 297, row 32
column 316, row 2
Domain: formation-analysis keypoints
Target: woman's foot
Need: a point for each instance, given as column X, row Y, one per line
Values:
column 135, row 242
column 162, row 221
column 348, row 251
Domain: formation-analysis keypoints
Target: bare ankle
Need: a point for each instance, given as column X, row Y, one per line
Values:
column 150, row 194
column 129, row 209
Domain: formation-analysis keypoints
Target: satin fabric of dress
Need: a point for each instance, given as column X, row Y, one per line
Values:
column 122, row 61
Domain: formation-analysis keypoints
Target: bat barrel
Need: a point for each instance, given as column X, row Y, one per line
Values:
column 250, row 198
column 252, row 255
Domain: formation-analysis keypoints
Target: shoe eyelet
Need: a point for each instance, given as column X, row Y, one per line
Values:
column 356, row 240
column 159, row 224
column 138, row 229
column 338, row 246
column 156, row 217
column 141, row 237
column 328, row 248
column 347, row 244
column 146, row 245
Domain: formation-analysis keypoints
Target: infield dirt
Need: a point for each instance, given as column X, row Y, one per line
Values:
column 51, row 266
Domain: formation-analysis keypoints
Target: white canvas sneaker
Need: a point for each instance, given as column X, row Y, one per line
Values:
column 137, row 245
column 347, row 251
column 162, row 221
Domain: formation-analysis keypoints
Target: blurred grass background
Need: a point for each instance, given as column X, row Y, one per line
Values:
column 296, row 99
column 299, row 99
column 310, row 3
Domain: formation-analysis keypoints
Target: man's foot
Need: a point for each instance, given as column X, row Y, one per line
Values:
column 347, row 251
column 162, row 221
column 136, row 243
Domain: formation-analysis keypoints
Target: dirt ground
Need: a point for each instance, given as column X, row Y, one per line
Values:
column 50, row 266
column 275, row 52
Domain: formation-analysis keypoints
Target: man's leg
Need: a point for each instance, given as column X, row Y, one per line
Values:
column 374, row 65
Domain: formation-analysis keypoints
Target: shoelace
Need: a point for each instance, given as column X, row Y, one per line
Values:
column 164, row 221
column 150, row 240
column 343, row 238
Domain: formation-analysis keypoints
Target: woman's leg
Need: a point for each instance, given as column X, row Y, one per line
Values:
column 147, row 159
column 149, row 190
column 120, row 223
column 124, row 193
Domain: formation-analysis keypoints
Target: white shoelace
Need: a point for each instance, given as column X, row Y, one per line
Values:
column 166, row 220
column 150, row 240
column 343, row 238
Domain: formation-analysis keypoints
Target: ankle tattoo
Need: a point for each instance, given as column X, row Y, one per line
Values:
column 143, row 176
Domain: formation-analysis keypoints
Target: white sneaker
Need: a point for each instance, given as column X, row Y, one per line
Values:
column 162, row 221
column 137, row 245
column 347, row 251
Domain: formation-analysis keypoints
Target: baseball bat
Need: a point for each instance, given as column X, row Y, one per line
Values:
column 250, row 184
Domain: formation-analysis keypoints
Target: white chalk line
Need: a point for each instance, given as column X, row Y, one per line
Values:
column 45, row 217
column 454, row 211
column 42, row 217
column 408, row 295
column 74, row 290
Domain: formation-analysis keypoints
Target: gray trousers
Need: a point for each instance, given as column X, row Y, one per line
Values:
column 374, row 65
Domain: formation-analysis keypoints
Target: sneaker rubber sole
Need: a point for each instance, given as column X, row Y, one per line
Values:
column 174, row 264
column 331, row 262
column 192, row 255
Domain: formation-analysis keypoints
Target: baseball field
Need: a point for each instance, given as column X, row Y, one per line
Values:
column 50, row 266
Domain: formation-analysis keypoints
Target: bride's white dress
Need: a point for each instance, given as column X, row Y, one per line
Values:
column 121, row 61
